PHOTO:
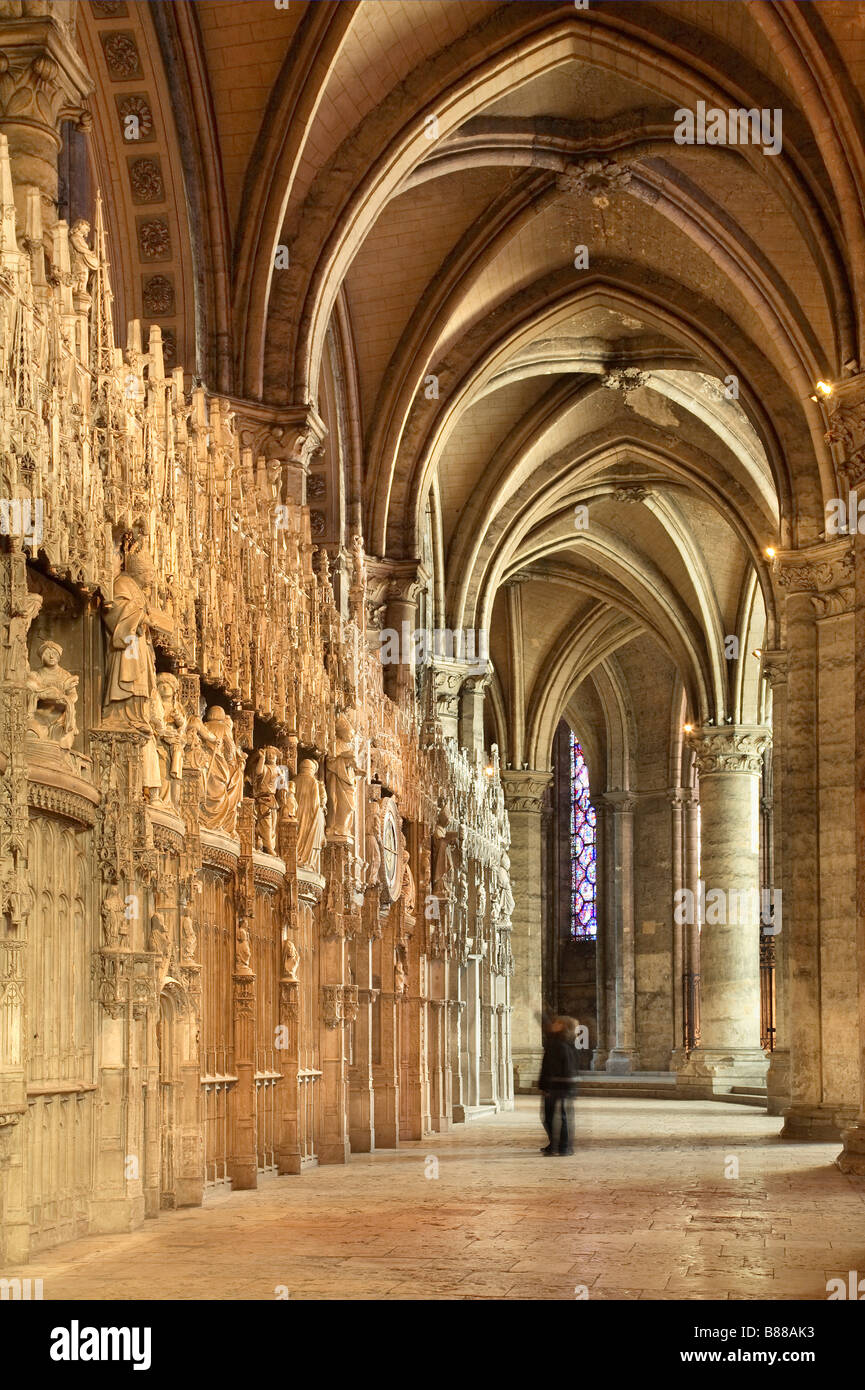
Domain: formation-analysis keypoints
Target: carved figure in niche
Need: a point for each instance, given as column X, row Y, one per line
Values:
column 243, row 951
column 290, row 803
column 159, row 939
column 84, row 260
column 188, row 937
column 290, row 960
column 342, row 770
column 265, row 780
column 373, row 842
column 506, row 897
column 52, row 693
column 443, row 864
column 400, row 974
column 114, row 930
column 23, row 612
column 169, row 724
column 131, row 676
column 223, row 771
column 407, row 888
column 310, row 816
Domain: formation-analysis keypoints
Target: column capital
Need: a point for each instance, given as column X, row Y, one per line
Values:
column 43, row 81
column 775, row 665
column 524, row 790
column 823, row 571
column 447, row 678
column 729, row 748
column 846, row 430
column 682, row 796
column 288, row 438
column 618, row 800
column 400, row 580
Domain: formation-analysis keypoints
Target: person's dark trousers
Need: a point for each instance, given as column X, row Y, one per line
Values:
column 563, row 1105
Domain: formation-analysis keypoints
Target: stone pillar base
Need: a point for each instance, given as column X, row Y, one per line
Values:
column 778, row 1082
column 599, row 1059
column 707, row 1074
column 819, row 1124
column 679, row 1059
column 336, row 1152
column 851, row 1159
column 621, row 1062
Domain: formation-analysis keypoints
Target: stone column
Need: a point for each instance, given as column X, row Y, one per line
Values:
column 243, row 1157
column 399, row 584
column 728, row 763
column 524, row 793
column 618, row 871
column 361, row 1094
column 819, row 824
column 385, row 1071
column 692, row 929
column 457, row 1034
column 778, row 1080
column 471, row 725
column 678, row 984
column 847, row 435
column 44, row 82
column 604, row 958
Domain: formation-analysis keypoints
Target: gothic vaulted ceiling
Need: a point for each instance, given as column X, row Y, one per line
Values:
column 565, row 357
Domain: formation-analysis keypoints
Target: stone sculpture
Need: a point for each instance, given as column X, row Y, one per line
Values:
column 290, row 960
column 131, row 675
column 443, row 864
column 311, row 799
column 342, row 770
column 265, row 780
column 407, row 886
column 52, row 693
column 84, row 260
column 169, row 724
column 243, row 951
column 223, row 765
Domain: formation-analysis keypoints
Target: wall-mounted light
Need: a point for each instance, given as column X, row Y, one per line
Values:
column 758, row 652
column 689, row 728
column 825, row 388
column 769, row 552
column 489, row 769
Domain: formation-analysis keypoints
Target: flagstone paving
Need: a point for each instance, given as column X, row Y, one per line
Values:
column 648, row 1207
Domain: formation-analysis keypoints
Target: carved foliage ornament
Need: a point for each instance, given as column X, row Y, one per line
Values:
column 729, row 750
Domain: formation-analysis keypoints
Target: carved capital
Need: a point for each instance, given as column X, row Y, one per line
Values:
column 824, row 571
column 42, row 82
column 733, row 748
column 524, row 791
column 396, row 580
column 847, row 428
column 775, row 665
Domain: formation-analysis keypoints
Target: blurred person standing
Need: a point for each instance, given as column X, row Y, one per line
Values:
column 558, row 1083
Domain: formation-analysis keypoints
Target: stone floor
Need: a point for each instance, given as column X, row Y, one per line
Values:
column 648, row 1207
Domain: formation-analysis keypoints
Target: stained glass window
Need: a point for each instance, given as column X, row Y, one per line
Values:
column 584, row 922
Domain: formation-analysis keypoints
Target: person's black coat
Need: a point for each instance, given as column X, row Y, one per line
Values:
column 559, row 1068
